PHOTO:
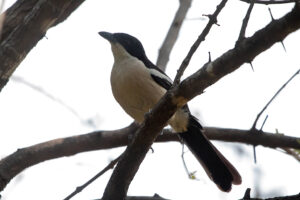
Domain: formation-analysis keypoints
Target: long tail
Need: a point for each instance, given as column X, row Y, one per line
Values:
column 217, row 167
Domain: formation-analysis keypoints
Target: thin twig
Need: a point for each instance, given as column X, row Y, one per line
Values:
column 295, row 153
column 270, row 101
column 201, row 37
column 245, row 22
column 80, row 188
column 42, row 91
column 191, row 175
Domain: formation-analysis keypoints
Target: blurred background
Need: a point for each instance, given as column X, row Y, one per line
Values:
column 62, row 88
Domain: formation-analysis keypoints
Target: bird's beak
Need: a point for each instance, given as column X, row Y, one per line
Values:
column 106, row 35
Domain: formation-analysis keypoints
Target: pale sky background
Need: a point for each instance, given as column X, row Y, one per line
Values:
column 73, row 64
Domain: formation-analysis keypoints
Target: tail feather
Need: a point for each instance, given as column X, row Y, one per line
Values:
column 217, row 167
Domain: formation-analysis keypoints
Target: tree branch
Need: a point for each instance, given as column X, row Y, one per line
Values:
column 179, row 95
column 41, row 16
column 268, row 2
column 274, row 96
column 291, row 197
column 201, row 37
column 26, row 22
column 82, row 187
column 245, row 22
column 243, row 52
column 172, row 35
column 23, row 158
column 155, row 197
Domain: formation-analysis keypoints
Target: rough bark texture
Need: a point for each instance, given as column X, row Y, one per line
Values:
column 26, row 22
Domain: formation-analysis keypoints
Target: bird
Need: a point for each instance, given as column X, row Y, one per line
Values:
column 137, row 85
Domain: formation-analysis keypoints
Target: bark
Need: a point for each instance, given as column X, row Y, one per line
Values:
column 25, row 24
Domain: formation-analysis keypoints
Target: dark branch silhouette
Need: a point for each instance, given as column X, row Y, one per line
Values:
column 201, row 38
column 269, row 2
column 245, row 22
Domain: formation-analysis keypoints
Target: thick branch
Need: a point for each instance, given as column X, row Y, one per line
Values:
column 26, row 157
column 100, row 140
column 244, row 52
column 188, row 89
column 26, row 22
column 155, row 197
column 291, row 197
column 268, row 2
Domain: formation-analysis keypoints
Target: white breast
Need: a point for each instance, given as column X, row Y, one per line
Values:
column 134, row 88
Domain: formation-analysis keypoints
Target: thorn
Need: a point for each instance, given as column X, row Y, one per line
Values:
column 283, row 45
column 271, row 14
column 152, row 150
column 264, row 122
column 251, row 66
column 209, row 57
column 210, row 17
column 254, row 154
column 247, row 194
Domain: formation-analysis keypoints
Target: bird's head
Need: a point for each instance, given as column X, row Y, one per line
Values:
column 123, row 44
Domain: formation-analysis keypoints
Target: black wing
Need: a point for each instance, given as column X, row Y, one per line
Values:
column 165, row 83
column 158, row 75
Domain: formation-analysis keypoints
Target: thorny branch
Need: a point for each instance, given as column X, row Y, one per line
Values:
column 201, row 37
column 179, row 95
